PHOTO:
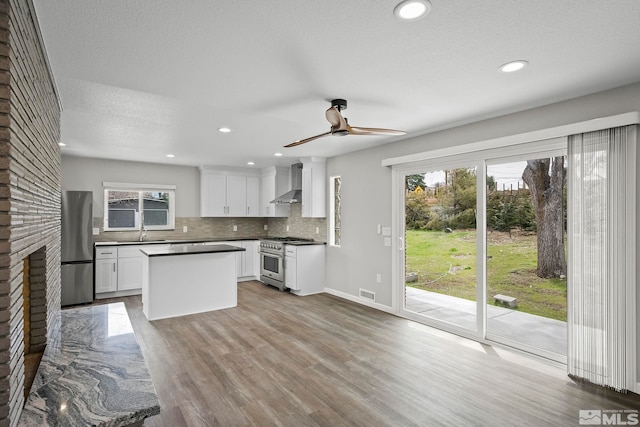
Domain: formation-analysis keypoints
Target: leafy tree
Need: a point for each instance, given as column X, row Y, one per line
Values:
column 416, row 210
column 413, row 181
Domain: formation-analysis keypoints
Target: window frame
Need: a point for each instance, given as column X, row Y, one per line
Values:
column 140, row 189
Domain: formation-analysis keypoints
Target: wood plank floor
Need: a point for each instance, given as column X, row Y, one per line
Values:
column 278, row 359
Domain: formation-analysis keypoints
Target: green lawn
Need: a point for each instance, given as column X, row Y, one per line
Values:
column 446, row 263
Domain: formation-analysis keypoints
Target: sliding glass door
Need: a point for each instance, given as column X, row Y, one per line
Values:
column 484, row 251
column 441, row 246
column 526, row 254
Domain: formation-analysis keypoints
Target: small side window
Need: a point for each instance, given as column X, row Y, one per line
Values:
column 335, row 220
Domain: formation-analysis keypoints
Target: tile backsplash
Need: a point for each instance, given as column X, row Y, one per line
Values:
column 214, row 228
column 298, row 226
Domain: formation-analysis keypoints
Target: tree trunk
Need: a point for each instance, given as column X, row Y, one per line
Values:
column 545, row 179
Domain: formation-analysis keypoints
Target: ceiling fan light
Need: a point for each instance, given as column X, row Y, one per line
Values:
column 412, row 10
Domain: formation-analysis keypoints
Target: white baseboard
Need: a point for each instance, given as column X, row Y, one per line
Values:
column 359, row 300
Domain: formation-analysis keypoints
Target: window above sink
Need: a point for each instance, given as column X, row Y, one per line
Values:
column 131, row 207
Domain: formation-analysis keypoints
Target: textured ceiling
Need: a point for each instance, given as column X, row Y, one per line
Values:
column 140, row 79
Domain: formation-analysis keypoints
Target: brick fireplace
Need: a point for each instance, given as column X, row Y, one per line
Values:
column 30, row 191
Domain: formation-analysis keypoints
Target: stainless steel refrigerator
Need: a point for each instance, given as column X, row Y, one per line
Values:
column 77, row 247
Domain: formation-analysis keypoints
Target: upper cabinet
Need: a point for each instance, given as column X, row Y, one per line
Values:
column 313, row 187
column 273, row 183
column 232, row 193
column 253, row 196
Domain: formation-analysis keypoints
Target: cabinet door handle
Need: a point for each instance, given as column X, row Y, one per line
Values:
column 247, row 210
column 114, row 267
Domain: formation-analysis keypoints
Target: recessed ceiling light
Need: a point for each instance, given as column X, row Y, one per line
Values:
column 224, row 130
column 251, row 163
column 171, row 156
column 512, row 66
column 278, row 154
column 412, row 10
column 62, row 144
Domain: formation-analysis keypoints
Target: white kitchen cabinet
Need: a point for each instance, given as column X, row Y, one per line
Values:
column 253, row 196
column 247, row 261
column 304, row 269
column 250, row 261
column 106, row 274
column 119, row 270
column 291, row 273
column 213, row 201
column 313, row 187
column 228, row 193
column 129, row 267
column 236, row 195
column 273, row 183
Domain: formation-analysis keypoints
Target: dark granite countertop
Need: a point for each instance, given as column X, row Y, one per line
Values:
column 92, row 372
column 190, row 250
column 158, row 242
column 304, row 243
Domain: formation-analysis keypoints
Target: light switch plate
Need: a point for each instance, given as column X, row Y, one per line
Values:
column 387, row 241
column 235, row 228
column 386, row 231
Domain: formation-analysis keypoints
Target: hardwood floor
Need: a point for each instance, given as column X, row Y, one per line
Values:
column 278, row 359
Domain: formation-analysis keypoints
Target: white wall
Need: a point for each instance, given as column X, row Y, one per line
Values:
column 82, row 173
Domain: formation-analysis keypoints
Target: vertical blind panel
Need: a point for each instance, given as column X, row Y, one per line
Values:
column 601, row 182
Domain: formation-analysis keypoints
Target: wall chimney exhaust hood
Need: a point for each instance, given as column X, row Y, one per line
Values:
column 295, row 195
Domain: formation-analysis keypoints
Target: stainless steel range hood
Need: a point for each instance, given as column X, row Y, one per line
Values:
column 295, row 195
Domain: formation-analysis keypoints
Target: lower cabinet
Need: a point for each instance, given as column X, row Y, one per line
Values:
column 119, row 270
column 304, row 269
column 247, row 262
column 106, row 275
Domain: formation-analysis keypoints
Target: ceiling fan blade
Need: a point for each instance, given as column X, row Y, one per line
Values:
column 336, row 119
column 355, row 130
column 304, row 141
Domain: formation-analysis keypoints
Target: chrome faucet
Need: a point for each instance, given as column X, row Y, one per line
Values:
column 143, row 231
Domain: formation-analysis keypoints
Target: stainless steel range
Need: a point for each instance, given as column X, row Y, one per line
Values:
column 272, row 260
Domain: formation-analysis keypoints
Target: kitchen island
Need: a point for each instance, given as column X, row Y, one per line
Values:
column 188, row 279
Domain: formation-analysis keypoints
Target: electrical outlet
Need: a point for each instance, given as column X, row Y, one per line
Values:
column 185, row 228
column 287, row 228
column 96, row 231
column 235, row 227
column 317, row 230
column 266, row 227
column 379, row 278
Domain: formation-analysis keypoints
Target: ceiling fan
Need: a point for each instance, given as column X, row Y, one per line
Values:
column 340, row 126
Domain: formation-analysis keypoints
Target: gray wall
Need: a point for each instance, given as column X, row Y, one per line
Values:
column 83, row 173
column 366, row 185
